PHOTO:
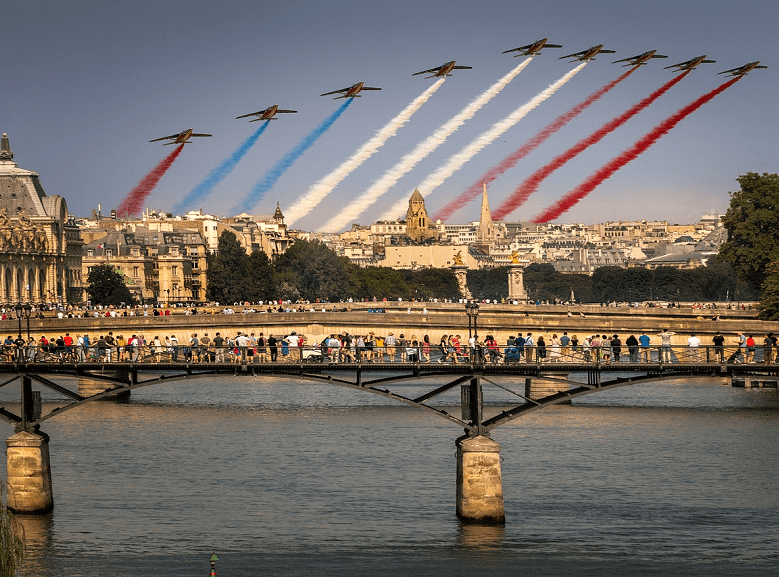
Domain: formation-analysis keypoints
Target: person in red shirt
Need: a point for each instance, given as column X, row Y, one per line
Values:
column 68, row 340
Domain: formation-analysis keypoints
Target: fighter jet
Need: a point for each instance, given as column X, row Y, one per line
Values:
column 641, row 59
column 443, row 70
column 267, row 114
column 350, row 92
column 532, row 49
column 690, row 64
column 588, row 54
column 180, row 138
column 742, row 70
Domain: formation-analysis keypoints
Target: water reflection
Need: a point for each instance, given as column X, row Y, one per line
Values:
column 480, row 536
column 38, row 537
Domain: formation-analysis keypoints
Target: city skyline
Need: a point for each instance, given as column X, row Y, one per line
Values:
column 92, row 84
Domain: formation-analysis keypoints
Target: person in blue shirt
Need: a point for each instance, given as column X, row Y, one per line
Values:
column 644, row 341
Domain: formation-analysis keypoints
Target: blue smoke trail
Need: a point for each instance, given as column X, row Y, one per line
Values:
column 206, row 186
column 287, row 160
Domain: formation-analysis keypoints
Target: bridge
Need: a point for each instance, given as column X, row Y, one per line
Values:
column 534, row 383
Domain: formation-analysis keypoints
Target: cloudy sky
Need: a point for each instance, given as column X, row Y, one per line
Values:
column 87, row 83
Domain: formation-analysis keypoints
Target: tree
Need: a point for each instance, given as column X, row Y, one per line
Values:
column 769, row 303
column 12, row 547
column 227, row 276
column 317, row 272
column 752, row 222
column 107, row 286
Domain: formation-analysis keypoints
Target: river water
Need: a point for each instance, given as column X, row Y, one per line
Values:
column 286, row 478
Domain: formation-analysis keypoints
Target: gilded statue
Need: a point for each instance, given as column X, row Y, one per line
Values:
column 458, row 258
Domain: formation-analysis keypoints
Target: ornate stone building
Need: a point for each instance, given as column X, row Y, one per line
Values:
column 40, row 245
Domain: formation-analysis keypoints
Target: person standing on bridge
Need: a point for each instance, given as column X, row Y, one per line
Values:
column 665, row 345
column 768, row 348
column 529, row 344
column 632, row 344
column 273, row 348
column 390, row 342
column 616, row 347
column 750, row 358
column 644, row 341
column 694, row 344
column 719, row 347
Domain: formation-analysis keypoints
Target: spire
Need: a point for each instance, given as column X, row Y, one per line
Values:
column 277, row 215
column 486, row 231
column 5, row 148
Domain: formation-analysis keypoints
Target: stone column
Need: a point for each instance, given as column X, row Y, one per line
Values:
column 516, row 283
column 88, row 387
column 479, row 481
column 460, row 273
column 539, row 387
column 29, row 473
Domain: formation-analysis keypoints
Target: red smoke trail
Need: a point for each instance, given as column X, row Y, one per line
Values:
column 512, row 159
column 133, row 202
column 531, row 183
column 631, row 153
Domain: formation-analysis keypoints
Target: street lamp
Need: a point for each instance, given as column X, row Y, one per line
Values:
column 23, row 310
column 472, row 310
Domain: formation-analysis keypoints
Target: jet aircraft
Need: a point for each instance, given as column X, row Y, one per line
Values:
column 531, row 49
column 267, row 114
column 443, row 70
column 641, row 59
column 350, row 92
column 180, row 138
column 742, row 70
column 690, row 64
column 588, row 54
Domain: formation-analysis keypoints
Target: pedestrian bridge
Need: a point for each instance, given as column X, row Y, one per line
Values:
column 534, row 383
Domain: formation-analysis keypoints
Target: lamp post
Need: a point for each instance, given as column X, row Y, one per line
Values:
column 23, row 311
column 472, row 310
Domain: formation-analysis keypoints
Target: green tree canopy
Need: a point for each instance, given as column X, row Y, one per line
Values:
column 107, row 286
column 752, row 222
column 316, row 272
column 769, row 304
column 234, row 276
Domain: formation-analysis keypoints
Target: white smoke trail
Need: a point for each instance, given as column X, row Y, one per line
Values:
column 423, row 149
column 319, row 190
column 456, row 162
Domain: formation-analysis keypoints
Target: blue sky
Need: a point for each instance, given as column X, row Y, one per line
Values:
column 87, row 83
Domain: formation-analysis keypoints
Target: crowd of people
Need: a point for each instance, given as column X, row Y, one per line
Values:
column 373, row 348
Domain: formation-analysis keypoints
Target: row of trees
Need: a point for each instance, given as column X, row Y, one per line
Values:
column 311, row 271
column 716, row 282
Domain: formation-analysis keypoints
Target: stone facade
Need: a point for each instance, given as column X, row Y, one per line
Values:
column 40, row 245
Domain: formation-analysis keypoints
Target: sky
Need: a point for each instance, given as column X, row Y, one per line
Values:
column 87, row 84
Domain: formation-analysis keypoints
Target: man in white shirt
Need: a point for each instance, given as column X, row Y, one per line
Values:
column 694, row 343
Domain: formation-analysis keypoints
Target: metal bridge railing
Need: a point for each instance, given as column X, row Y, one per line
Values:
column 596, row 356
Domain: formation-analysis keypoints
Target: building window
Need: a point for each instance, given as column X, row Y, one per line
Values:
column 136, row 271
column 175, row 271
column 90, row 252
column 109, row 252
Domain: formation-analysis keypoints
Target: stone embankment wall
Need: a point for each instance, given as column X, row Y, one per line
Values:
column 498, row 320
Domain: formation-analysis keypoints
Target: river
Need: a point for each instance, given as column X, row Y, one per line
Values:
column 287, row 478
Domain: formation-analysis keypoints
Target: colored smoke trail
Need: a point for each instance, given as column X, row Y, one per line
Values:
column 286, row 161
column 456, row 162
column 218, row 174
column 422, row 150
column 133, row 202
column 511, row 160
column 578, row 193
column 531, row 183
column 321, row 189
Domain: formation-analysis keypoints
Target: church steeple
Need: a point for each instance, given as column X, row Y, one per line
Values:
column 486, row 231
column 277, row 216
column 5, row 148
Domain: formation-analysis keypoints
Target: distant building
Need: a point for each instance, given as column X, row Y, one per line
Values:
column 418, row 226
column 40, row 245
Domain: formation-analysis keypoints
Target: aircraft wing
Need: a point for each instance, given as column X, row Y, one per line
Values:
column 252, row 114
column 518, row 49
column 335, row 92
column 427, row 71
column 290, row 111
column 461, row 68
column 604, row 51
column 624, row 60
column 172, row 136
column 364, row 88
column 552, row 46
column 191, row 135
column 574, row 55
